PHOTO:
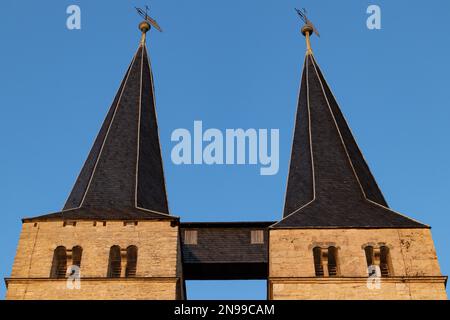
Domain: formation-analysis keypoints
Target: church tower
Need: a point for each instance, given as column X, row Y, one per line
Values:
column 114, row 238
column 338, row 238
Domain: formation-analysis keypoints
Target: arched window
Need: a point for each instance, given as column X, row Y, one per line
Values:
column 59, row 264
column 326, row 261
column 77, row 251
column 384, row 261
column 131, row 261
column 369, row 255
column 332, row 262
column 378, row 258
column 318, row 267
column 115, row 262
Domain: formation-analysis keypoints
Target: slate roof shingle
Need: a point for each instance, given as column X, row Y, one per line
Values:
column 329, row 182
column 123, row 175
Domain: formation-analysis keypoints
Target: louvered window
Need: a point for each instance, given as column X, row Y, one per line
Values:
column 115, row 262
column 131, row 261
column 59, row 264
column 326, row 261
column 384, row 261
column 77, row 251
column 318, row 267
column 257, row 236
column 332, row 261
column 378, row 258
column 190, row 236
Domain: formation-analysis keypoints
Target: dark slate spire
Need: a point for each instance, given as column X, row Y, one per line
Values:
column 329, row 182
column 123, row 176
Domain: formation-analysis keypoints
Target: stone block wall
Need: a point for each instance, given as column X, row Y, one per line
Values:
column 158, row 272
column 414, row 272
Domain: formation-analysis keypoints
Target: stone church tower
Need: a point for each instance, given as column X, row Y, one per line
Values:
column 337, row 227
column 115, row 224
column 115, row 237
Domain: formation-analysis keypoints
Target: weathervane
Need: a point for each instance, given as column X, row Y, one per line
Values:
column 308, row 28
column 148, row 22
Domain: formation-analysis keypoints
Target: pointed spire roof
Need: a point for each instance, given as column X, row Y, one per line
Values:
column 329, row 182
column 123, row 175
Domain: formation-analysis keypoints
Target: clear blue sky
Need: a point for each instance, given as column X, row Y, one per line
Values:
column 230, row 64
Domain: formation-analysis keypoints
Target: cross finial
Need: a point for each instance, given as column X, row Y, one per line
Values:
column 308, row 29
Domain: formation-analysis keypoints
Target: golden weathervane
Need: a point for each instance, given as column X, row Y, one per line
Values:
column 148, row 22
column 308, row 29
